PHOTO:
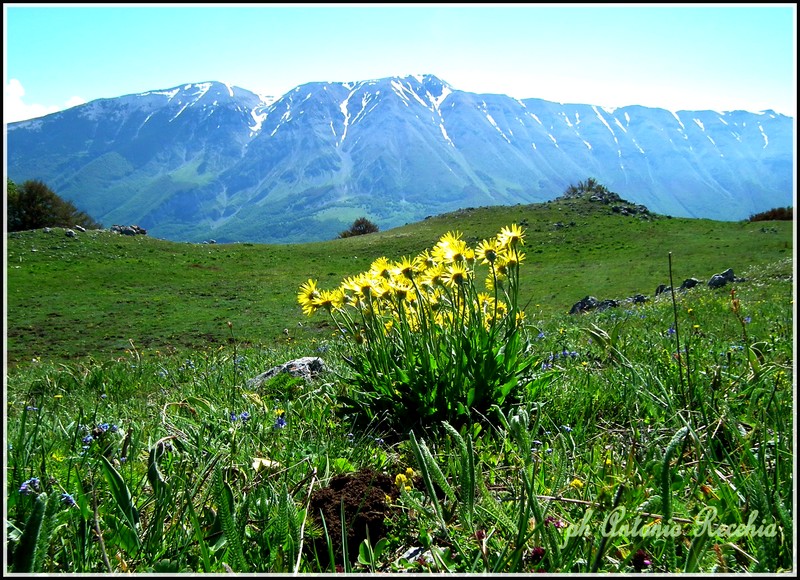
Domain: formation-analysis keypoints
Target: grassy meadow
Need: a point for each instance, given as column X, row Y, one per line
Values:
column 650, row 437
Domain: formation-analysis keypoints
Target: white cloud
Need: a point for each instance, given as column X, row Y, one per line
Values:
column 16, row 109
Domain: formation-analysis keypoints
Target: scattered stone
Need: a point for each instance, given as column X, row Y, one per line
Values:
column 128, row 230
column 70, row 234
column 592, row 303
column 80, row 229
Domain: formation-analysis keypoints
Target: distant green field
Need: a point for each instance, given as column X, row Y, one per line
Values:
column 98, row 293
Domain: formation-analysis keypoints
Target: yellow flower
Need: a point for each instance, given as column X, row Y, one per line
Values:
column 513, row 259
column 498, row 278
column 381, row 268
column 401, row 289
column 362, row 284
column 425, row 260
column 511, row 237
column 576, row 483
column 487, row 251
column 405, row 267
column 456, row 275
column 486, row 303
column 400, row 480
column 306, row 296
column 450, row 248
column 432, row 277
column 410, row 473
column 330, row 299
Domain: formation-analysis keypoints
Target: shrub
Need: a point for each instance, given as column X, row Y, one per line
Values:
column 34, row 205
column 360, row 227
column 774, row 214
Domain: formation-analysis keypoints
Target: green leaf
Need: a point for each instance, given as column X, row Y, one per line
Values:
column 120, row 493
column 24, row 555
column 122, row 535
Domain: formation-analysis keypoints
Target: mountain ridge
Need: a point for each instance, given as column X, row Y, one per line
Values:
column 209, row 160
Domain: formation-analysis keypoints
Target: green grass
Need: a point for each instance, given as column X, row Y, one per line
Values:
column 132, row 346
column 96, row 294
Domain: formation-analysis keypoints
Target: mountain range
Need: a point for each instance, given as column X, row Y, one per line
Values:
column 211, row 161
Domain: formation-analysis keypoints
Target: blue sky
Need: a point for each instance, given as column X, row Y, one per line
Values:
column 699, row 56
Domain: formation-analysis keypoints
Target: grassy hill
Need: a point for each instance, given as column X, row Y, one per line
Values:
column 99, row 292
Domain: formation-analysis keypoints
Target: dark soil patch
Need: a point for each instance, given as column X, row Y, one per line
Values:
column 362, row 496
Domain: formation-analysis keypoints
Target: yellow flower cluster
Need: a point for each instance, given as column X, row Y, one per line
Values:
column 429, row 288
column 403, row 480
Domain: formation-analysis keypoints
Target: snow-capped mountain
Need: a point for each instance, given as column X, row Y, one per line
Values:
column 208, row 160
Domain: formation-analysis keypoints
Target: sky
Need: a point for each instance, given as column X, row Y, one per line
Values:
column 721, row 57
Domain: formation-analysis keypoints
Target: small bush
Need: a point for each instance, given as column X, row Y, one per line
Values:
column 360, row 227
column 774, row 214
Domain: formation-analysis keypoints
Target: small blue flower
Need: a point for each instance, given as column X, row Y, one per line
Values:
column 234, row 417
column 566, row 428
column 280, row 422
column 244, row 416
column 540, row 335
column 378, row 440
column 68, row 499
column 31, row 408
column 103, row 427
column 30, row 487
column 88, row 440
column 746, row 319
column 670, row 331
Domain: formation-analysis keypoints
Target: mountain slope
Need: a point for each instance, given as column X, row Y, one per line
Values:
column 207, row 160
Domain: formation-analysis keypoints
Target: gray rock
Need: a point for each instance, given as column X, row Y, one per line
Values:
column 306, row 368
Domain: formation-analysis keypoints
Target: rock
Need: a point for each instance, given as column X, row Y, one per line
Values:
column 719, row 280
column 583, row 305
column 690, row 283
column 306, row 368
